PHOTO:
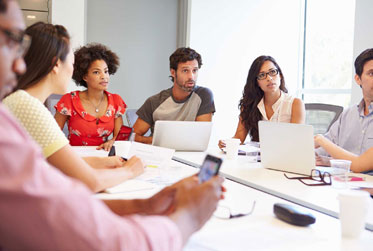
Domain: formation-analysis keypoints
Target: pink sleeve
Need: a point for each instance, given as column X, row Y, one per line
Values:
column 42, row 209
column 119, row 105
column 64, row 106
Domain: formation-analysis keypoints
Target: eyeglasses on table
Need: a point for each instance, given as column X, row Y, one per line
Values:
column 323, row 179
column 224, row 212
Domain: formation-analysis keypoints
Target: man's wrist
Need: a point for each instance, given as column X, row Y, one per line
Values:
column 186, row 224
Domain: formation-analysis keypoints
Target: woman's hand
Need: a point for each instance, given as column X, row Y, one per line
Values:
column 105, row 162
column 318, row 140
column 107, row 145
column 322, row 160
column 135, row 166
column 221, row 144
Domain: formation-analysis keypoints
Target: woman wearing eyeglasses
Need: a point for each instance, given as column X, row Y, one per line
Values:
column 49, row 63
column 265, row 97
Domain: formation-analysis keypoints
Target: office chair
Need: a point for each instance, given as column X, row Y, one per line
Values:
column 322, row 116
column 51, row 101
column 131, row 118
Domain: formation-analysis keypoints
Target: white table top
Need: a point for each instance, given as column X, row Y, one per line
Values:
column 261, row 230
column 244, row 170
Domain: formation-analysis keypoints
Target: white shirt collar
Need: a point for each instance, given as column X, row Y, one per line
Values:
column 275, row 106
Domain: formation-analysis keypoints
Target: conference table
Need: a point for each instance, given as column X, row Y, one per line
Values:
column 249, row 184
column 247, row 171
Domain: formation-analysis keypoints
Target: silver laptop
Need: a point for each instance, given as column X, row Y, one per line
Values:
column 287, row 147
column 182, row 135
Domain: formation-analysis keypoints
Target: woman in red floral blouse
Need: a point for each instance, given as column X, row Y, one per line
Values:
column 93, row 114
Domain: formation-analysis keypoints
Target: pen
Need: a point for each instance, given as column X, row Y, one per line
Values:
column 123, row 158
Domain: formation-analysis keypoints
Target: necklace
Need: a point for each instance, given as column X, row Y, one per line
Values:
column 96, row 107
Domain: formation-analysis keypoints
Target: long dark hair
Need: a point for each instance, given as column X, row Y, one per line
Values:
column 252, row 94
column 48, row 44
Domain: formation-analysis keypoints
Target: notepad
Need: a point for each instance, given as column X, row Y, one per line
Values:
column 130, row 186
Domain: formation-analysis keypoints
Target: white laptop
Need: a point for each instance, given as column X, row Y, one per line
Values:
column 182, row 135
column 287, row 147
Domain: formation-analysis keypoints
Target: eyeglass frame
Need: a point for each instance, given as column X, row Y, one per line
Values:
column 232, row 216
column 22, row 40
column 268, row 73
column 311, row 177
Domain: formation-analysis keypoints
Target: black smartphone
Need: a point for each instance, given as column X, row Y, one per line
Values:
column 112, row 151
column 209, row 168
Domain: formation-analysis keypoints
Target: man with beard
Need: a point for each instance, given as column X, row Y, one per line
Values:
column 184, row 101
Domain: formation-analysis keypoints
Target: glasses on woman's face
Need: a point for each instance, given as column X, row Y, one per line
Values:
column 17, row 38
column 322, row 179
column 263, row 75
column 223, row 212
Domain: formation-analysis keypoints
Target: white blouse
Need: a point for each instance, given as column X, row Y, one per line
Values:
column 282, row 108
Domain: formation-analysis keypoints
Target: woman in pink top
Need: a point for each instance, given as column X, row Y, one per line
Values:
column 265, row 98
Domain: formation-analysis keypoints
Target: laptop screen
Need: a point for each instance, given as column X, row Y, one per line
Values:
column 182, row 135
column 287, row 147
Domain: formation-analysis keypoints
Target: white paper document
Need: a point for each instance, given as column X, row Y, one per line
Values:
column 248, row 150
column 152, row 156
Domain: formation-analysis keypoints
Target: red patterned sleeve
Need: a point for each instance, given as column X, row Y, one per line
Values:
column 64, row 106
column 120, row 106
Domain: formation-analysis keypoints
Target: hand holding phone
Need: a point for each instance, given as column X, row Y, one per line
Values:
column 209, row 168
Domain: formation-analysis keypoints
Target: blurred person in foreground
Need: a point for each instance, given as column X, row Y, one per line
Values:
column 42, row 209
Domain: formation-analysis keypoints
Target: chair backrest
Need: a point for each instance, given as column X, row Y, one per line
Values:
column 322, row 116
column 51, row 101
column 131, row 118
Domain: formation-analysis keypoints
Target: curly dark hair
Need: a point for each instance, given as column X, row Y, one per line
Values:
column 182, row 55
column 252, row 94
column 49, row 43
column 360, row 61
column 86, row 55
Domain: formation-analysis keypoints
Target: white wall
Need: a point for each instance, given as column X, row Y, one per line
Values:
column 72, row 15
column 143, row 33
column 363, row 38
column 230, row 35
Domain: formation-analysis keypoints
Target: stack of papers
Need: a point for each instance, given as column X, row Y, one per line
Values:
column 156, row 160
column 152, row 156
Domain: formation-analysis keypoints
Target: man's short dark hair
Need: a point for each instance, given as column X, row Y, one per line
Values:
column 360, row 61
column 3, row 6
column 183, row 55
